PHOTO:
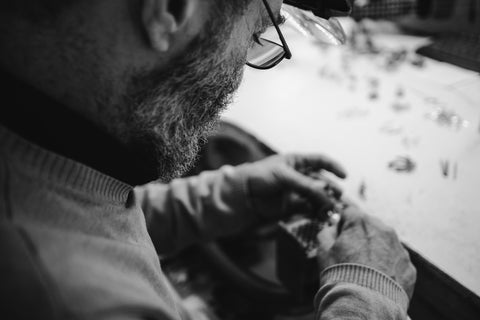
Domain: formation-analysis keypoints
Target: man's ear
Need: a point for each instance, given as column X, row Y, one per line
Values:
column 162, row 18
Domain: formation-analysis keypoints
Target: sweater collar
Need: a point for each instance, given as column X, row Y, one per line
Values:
column 52, row 126
column 59, row 170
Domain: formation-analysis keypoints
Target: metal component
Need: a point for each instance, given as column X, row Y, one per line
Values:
column 395, row 59
column 418, row 61
column 402, row 164
column 449, row 169
column 449, row 118
column 399, row 106
column 333, row 218
column 444, row 166
column 362, row 190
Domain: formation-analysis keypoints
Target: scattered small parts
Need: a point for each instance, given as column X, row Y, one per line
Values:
column 373, row 95
column 391, row 129
column 400, row 92
column 395, row 58
column 402, row 164
column 400, row 106
column 418, row 61
column 374, row 82
column 448, row 118
column 431, row 100
column 410, row 142
column 361, row 41
column 445, row 166
column 362, row 191
column 330, row 74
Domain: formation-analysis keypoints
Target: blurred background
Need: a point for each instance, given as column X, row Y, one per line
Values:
column 399, row 106
column 395, row 98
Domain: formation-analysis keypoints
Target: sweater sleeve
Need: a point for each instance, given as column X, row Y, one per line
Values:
column 354, row 292
column 193, row 209
column 216, row 203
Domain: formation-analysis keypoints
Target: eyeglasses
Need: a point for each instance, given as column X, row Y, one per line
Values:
column 266, row 54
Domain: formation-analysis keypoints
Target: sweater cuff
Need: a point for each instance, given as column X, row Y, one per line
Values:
column 367, row 277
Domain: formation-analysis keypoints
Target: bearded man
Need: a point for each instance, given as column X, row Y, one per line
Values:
column 103, row 95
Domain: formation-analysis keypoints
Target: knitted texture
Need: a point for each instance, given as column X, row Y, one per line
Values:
column 366, row 277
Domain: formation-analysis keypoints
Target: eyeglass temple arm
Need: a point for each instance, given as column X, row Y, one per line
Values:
column 288, row 53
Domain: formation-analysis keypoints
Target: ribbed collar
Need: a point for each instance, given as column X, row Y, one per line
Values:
column 60, row 170
column 43, row 121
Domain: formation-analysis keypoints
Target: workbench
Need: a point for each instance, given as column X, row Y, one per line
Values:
column 406, row 129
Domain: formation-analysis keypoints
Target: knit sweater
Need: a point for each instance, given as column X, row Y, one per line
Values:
column 78, row 244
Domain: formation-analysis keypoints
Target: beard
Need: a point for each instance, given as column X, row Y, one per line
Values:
column 177, row 107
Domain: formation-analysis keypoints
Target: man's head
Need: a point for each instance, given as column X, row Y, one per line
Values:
column 154, row 74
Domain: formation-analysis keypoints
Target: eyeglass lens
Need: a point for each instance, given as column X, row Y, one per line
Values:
column 265, row 54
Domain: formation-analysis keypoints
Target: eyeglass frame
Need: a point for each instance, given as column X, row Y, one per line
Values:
column 286, row 50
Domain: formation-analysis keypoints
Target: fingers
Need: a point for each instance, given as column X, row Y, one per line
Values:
column 317, row 162
column 311, row 189
column 297, row 204
column 330, row 187
column 326, row 240
column 333, row 189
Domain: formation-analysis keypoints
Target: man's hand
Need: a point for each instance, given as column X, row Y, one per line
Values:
column 281, row 184
column 363, row 239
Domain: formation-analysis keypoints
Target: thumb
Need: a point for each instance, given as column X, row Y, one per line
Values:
column 326, row 239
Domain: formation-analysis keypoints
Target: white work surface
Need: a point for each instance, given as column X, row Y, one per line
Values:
column 319, row 102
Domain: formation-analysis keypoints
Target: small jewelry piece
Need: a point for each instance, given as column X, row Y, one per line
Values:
column 333, row 218
column 402, row 164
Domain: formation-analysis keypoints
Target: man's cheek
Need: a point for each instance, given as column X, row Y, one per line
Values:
column 241, row 38
column 238, row 42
